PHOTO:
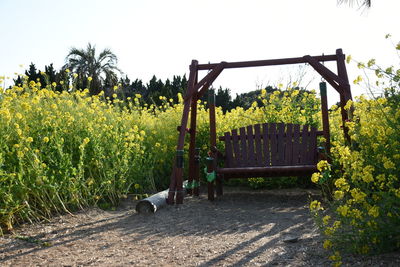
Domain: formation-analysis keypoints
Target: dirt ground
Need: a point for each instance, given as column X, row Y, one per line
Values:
column 243, row 228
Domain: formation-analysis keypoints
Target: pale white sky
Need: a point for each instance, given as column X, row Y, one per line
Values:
column 162, row 37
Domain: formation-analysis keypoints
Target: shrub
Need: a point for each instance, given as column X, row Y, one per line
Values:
column 364, row 215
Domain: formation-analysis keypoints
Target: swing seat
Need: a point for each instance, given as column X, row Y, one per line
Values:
column 269, row 149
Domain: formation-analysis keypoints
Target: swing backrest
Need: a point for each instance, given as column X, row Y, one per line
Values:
column 271, row 144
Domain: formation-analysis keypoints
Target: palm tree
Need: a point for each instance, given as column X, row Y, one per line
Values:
column 102, row 68
column 365, row 3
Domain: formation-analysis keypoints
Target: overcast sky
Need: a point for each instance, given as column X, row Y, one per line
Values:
column 161, row 37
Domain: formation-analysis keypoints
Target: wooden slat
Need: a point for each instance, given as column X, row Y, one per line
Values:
column 270, row 169
column 236, row 149
column 281, row 144
column 296, row 144
column 289, row 144
column 304, row 145
column 312, row 149
column 251, row 160
column 273, row 144
column 228, row 150
column 243, row 147
column 258, row 145
column 266, row 145
column 222, row 138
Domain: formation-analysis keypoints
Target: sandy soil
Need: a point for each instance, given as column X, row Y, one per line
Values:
column 243, row 228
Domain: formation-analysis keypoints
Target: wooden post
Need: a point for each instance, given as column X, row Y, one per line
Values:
column 325, row 118
column 192, row 145
column 196, row 172
column 219, row 185
column 345, row 96
column 213, row 140
column 210, row 185
column 179, row 176
column 176, row 184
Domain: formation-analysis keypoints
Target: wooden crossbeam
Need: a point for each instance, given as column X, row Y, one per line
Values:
column 269, row 62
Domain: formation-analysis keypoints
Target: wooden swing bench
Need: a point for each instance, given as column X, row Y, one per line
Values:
column 268, row 150
column 261, row 150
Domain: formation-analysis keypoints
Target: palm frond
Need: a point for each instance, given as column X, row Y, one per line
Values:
column 362, row 3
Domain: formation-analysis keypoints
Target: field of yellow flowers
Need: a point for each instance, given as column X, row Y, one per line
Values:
column 62, row 151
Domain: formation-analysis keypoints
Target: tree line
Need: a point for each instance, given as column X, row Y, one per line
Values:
column 85, row 68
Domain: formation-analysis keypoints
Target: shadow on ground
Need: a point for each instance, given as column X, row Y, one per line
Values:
column 241, row 228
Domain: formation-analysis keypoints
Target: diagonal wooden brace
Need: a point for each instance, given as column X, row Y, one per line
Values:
column 334, row 80
column 207, row 80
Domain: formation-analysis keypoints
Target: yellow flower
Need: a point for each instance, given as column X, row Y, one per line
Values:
column 315, row 205
column 138, row 95
column 326, row 219
column 29, row 139
column 343, row 210
column 54, row 84
column 388, row 164
column 357, row 195
column 315, row 177
column 323, row 165
column 67, row 70
column 137, row 186
column 342, row 184
column 338, row 195
column 18, row 115
column 90, row 79
column 348, row 105
column 373, row 211
column 115, row 87
column 327, row 244
column 358, row 79
column 335, row 257
column 46, row 139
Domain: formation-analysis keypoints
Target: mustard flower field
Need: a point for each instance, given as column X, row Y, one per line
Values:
column 63, row 151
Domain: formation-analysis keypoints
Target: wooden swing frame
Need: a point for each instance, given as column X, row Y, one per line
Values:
column 196, row 89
